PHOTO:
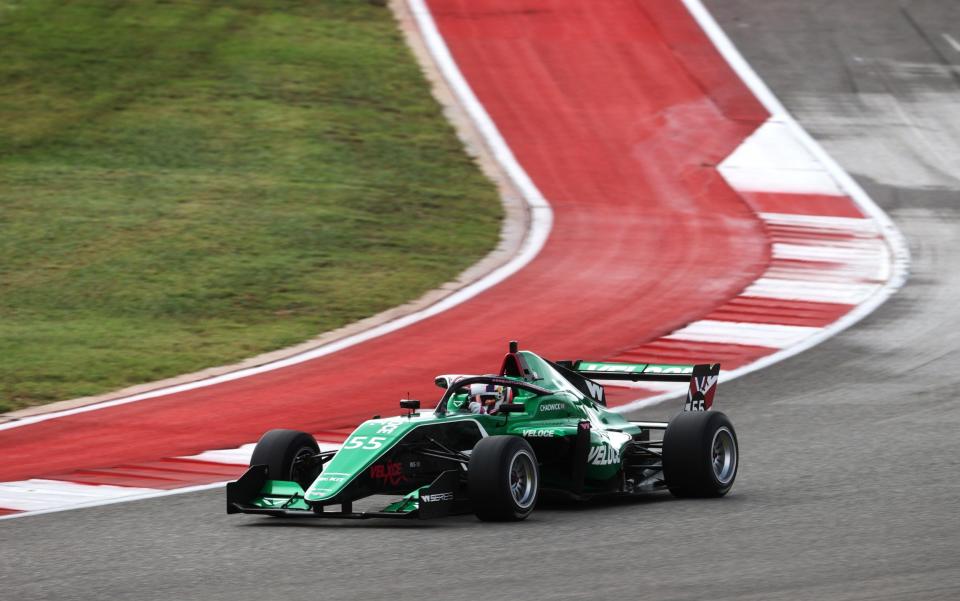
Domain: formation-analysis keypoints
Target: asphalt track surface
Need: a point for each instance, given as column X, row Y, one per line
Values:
column 849, row 481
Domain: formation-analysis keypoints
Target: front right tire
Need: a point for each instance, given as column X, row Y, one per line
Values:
column 282, row 452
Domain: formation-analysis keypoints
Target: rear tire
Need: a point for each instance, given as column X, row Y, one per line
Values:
column 503, row 479
column 279, row 449
column 700, row 454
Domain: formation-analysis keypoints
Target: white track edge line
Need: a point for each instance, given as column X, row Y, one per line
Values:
column 144, row 495
column 900, row 253
column 101, row 502
column 541, row 222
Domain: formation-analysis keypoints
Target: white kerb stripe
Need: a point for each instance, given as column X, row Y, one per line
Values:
column 772, row 147
column 781, row 181
column 874, row 254
column 39, row 495
column 241, row 455
column 753, row 334
column 811, row 290
column 237, row 456
column 773, row 159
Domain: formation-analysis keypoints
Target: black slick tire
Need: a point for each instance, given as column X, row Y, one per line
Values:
column 503, row 479
column 700, row 454
column 278, row 450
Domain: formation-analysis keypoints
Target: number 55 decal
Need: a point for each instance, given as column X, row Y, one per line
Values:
column 361, row 442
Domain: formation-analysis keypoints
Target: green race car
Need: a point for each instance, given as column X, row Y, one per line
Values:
column 494, row 443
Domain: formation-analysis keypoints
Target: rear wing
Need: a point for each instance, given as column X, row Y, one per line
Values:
column 702, row 377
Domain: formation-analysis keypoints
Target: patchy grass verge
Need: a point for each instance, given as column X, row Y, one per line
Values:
column 187, row 183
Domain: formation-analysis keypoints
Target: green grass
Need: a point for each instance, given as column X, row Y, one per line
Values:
column 187, row 183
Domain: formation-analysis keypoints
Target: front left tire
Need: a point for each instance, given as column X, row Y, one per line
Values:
column 503, row 479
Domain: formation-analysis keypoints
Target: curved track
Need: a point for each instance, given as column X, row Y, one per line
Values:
column 617, row 204
column 848, row 487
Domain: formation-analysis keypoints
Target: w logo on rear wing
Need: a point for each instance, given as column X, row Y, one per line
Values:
column 594, row 390
column 703, row 386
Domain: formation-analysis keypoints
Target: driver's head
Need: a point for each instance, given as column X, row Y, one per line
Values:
column 485, row 394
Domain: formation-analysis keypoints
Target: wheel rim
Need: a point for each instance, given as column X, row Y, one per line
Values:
column 523, row 479
column 298, row 472
column 723, row 455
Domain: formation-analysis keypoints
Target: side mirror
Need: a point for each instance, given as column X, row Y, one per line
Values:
column 409, row 404
column 510, row 408
column 441, row 382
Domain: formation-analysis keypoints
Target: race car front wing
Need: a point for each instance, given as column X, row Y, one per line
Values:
column 254, row 493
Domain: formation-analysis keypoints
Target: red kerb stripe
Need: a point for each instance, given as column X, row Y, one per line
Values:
column 730, row 356
column 779, row 311
column 802, row 204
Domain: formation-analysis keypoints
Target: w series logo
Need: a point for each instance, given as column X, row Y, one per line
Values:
column 595, row 390
column 703, row 385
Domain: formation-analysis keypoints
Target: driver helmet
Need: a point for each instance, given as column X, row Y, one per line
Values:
column 484, row 393
column 487, row 398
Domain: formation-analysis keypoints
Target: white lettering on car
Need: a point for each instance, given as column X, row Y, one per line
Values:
column 388, row 428
column 603, row 455
column 442, row 496
column 668, row 369
column 551, row 407
column 361, row 442
column 697, row 402
column 539, row 433
column 596, row 390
